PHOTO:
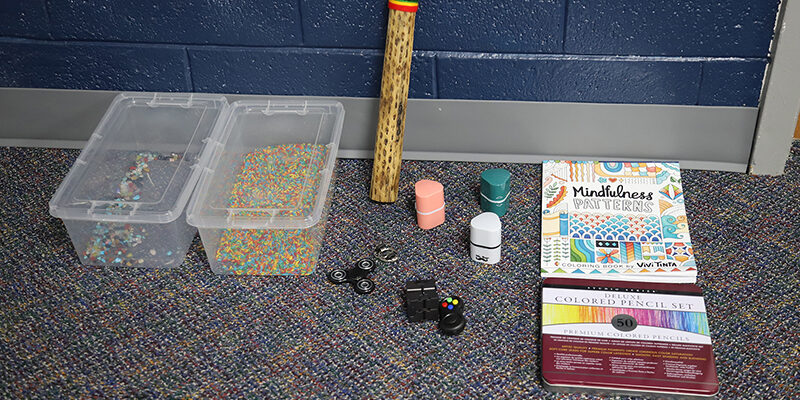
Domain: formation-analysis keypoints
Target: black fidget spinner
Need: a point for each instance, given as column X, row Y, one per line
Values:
column 356, row 276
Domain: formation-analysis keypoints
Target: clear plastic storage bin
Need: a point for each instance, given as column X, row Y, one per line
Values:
column 124, row 200
column 262, row 203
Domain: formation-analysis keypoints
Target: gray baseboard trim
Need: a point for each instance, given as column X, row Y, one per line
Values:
column 60, row 144
column 533, row 159
column 717, row 138
column 416, row 155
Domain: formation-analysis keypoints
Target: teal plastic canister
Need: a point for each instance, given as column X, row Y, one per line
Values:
column 495, row 187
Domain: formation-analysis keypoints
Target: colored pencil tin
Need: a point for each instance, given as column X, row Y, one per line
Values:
column 430, row 203
column 495, row 187
column 618, row 338
column 485, row 233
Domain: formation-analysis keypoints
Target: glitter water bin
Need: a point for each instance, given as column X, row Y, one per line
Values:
column 262, row 203
column 124, row 200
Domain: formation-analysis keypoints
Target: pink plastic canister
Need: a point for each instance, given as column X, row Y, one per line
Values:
column 430, row 203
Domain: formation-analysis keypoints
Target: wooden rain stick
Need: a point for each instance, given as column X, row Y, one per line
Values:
column 394, row 96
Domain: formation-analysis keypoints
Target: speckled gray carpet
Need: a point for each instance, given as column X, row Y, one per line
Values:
column 68, row 330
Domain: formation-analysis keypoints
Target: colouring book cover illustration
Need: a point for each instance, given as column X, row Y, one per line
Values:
column 615, row 220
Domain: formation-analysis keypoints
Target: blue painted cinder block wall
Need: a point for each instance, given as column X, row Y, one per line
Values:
column 691, row 52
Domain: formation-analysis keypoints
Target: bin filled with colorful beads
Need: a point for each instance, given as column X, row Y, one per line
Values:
column 262, row 206
column 124, row 200
column 274, row 178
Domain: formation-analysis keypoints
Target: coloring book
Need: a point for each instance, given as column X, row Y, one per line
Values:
column 615, row 220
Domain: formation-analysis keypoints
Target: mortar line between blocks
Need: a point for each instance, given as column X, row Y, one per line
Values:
column 564, row 32
column 300, row 20
column 188, row 69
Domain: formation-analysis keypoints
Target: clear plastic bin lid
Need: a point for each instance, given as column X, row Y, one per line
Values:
column 142, row 161
column 274, row 167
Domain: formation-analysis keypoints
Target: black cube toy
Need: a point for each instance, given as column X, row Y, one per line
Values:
column 422, row 302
